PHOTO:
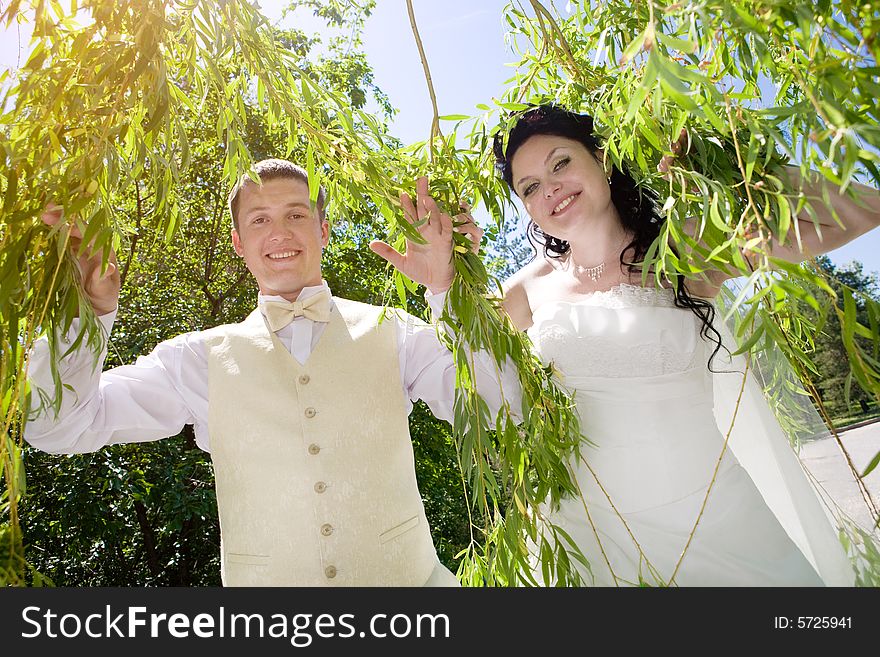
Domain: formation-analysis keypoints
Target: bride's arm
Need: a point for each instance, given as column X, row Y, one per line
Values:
column 817, row 230
column 825, row 226
column 516, row 302
column 516, row 305
column 820, row 232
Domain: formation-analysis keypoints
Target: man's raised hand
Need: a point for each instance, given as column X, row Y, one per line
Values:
column 102, row 289
column 429, row 264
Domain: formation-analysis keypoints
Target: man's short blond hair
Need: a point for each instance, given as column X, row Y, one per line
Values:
column 272, row 169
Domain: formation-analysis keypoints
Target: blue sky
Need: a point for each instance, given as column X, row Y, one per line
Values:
column 466, row 50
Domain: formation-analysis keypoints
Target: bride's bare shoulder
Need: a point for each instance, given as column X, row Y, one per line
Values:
column 518, row 291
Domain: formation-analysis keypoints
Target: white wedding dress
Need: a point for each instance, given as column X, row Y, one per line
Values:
column 647, row 402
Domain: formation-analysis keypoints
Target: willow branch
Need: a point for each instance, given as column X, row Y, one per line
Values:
column 524, row 86
column 807, row 381
column 860, row 483
column 137, row 234
column 542, row 13
column 435, row 122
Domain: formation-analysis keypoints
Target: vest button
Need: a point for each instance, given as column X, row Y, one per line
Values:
column 311, row 412
column 330, row 572
column 326, row 529
column 304, row 379
column 314, row 449
column 320, row 487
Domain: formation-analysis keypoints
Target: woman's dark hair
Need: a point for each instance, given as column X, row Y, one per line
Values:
column 636, row 205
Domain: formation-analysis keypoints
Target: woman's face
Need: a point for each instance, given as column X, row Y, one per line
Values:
column 561, row 183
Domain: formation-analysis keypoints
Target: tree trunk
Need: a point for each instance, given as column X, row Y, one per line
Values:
column 149, row 539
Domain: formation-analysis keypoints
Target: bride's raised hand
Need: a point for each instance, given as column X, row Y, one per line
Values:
column 678, row 147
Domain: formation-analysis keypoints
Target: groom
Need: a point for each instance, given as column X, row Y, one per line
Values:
column 303, row 406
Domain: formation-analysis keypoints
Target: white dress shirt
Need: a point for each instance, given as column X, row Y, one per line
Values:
column 168, row 388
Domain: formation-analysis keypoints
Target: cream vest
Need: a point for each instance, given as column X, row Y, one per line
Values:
column 313, row 463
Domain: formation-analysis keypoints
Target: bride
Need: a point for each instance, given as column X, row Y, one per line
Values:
column 664, row 500
column 664, row 497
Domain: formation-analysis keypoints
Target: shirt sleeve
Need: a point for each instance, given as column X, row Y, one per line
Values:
column 428, row 369
column 151, row 399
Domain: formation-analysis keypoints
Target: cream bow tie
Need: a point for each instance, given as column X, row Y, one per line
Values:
column 281, row 313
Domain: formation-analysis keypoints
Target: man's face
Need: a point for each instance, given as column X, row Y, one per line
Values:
column 280, row 236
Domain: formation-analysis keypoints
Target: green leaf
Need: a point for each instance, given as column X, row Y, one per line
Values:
column 676, row 43
column 751, row 341
column 9, row 196
column 646, row 85
column 871, row 466
column 635, row 45
column 314, row 182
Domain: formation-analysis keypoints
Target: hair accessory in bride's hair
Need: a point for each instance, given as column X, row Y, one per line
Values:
column 540, row 119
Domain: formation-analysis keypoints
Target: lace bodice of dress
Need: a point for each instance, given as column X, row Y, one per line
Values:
column 627, row 331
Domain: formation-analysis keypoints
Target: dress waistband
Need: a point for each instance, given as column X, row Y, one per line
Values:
column 690, row 383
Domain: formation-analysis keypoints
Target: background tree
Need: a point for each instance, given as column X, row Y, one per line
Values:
column 844, row 396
